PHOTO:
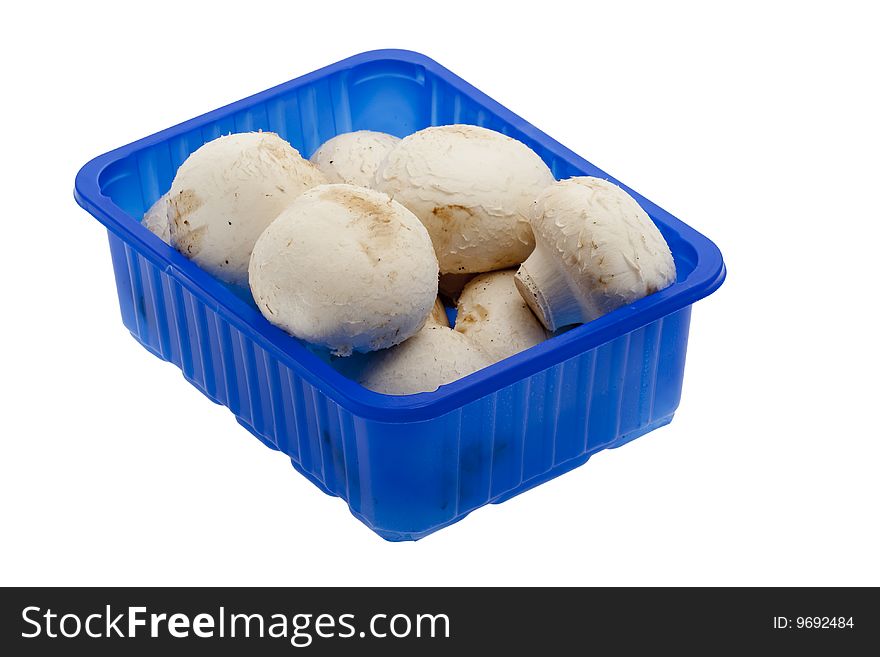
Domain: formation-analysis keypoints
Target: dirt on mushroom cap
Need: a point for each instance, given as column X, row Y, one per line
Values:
column 471, row 187
column 227, row 191
column 347, row 268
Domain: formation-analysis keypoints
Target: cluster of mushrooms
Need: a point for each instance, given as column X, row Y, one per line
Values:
column 348, row 251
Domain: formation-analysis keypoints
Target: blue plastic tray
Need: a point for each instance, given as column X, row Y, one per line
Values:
column 407, row 466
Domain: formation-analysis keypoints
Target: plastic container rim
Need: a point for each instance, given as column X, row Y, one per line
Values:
column 706, row 277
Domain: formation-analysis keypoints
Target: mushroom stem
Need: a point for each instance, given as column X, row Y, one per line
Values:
column 546, row 289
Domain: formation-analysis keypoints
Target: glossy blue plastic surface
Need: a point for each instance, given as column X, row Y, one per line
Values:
column 410, row 465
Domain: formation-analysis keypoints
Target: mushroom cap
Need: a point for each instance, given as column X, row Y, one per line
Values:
column 493, row 314
column 597, row 250
column 472, row 188
column 435, row 356
column 346, row 268
column 353, row 157
column 156, row 219
column 227, row 192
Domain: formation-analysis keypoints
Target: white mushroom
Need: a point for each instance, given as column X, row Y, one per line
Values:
column 346, row 268
column 354, row 366
column 472, row 188
column 433, row 357
column 227, row 192
column 353, row 157
column 493, row 314
column 597, row 250
column 156, row 219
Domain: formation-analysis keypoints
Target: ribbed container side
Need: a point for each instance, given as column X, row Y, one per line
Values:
column 405, row 480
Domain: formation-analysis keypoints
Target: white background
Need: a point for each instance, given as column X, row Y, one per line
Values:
column 758, row 125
